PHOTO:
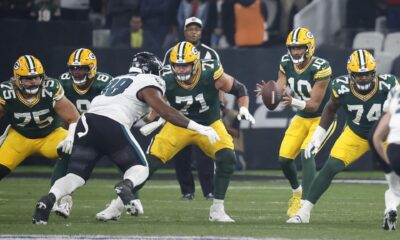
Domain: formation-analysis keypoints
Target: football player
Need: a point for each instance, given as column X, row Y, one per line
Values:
column 362, row 95
column 105, row 130
column 388, row 129
column 308, row 77
column 192, row 86
column 33, row 102
column 81, row 84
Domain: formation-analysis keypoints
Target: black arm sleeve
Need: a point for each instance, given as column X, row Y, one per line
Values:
column 238, row 89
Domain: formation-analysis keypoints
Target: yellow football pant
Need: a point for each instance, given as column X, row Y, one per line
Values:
column 16, row 148
column 171, row 139
column 298, row 135
column 349, row 147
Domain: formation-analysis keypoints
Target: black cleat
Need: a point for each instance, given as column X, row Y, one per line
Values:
column 390, row 220
column 188, row 196
column 124, row 191
column 43, row 209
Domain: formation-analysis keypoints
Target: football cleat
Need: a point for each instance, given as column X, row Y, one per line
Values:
column 299, row 218
column 42, row 210
column 188, row 196
column 124, row 191
column 218, row 214
column 390, row 220
column 209, row 196
column 63, row 207
column 112, row 212
column 294, row 204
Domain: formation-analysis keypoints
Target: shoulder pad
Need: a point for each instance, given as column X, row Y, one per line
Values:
column 54, row 86
column 340, row 85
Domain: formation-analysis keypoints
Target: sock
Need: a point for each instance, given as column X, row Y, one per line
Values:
column 290, row 171
column 323, row 180
column 60, row 168
column 306, row 207
column 299, row 189
column 154, row 164
column 137, row 174
column 308, row 168
column 66, row 185
column 225, row 165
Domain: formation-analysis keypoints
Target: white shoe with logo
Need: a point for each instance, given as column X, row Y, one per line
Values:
column 218, row 214
column 300, row 217
column 112, row 212
column 63, row 207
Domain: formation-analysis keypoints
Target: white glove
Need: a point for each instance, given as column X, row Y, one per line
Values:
column 244, row 114
column 4, row 135
column 150, row 127
column 315, row 142
column 67, row 144
column 204, row 130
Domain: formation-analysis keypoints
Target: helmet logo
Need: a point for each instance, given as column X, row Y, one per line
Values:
column 309, row 35
column 92, row 56
column 195, row 51
column 16, row 65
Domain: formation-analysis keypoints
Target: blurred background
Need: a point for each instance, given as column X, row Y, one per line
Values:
column 52, row 29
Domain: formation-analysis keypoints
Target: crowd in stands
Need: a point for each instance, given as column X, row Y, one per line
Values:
column 227, row 23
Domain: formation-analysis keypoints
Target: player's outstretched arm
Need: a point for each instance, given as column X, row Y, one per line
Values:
column 329, row 112
column 68, row 112
column 380, row 135
column 231, row 85
column 155, row 100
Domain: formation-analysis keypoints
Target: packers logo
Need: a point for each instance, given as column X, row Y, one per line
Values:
column 92, row 56
column 350, row 58
column 195, row 51
column 309, row 35
column 16, row 65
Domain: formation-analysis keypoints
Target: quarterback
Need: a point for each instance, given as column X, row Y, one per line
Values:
column 192, row 86
column 308, row 77
column 33, row 102
column 81, row 84
column 362, row 95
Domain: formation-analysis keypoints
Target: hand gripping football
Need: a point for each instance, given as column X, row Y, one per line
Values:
column 271, row 95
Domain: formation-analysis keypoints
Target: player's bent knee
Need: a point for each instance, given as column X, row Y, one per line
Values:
column 4, row 171
column 225, row 161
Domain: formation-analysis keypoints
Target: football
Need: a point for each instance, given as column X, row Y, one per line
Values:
column 270, row 95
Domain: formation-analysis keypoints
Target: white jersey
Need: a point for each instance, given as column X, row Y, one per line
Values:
column 119, row 100
column 394, row 110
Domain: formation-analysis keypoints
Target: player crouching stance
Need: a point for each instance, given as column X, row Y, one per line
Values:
column 104, row 130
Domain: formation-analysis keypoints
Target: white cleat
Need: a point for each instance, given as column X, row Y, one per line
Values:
column 137, row 208
column 218, row 214
column 112, row 212
column 63, row 207
column 299, row 218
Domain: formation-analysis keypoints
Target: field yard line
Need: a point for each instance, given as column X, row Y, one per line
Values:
column 104, row 237
column 356, row 181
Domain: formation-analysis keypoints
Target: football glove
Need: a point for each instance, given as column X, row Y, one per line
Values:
column 315, row 142
column 150, row 127
column 67, row 144
column 4, row 135
column 244, row 114
column 207, row 131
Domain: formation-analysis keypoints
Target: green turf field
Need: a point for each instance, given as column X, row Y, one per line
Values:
column 346, row 211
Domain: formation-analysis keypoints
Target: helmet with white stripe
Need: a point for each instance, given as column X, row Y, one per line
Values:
column 361, row 67
column 28, row 68
column 299, row 37
column 82, row 65
column 184, row 54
